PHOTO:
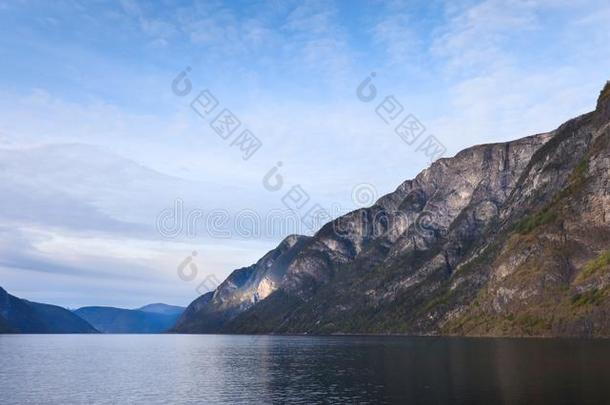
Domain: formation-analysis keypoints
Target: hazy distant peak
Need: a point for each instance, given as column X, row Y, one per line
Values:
column 160, row 308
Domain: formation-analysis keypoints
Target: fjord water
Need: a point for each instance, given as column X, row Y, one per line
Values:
column 151, row 369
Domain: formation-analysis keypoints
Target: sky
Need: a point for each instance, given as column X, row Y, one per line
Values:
column 120, row 153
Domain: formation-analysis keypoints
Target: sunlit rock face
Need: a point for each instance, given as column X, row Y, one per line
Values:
column 501, row 239
column 241, row 290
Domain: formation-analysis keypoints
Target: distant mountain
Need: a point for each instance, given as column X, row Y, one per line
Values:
column 22, row 316
column 164, row 309
column 156, row 318
column 505, row 239
column 5, row 327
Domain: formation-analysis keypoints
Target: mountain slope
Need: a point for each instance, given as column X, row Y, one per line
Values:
column 241, row 290
column 503, row 239
column 5, row 327
column 32, row 317
column 119, row 320
column 550, row 274
column 164, row 309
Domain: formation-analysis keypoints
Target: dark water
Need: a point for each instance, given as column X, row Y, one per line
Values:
column 151, row 369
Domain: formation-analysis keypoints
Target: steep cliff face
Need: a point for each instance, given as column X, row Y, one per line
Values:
column 375, row 269
column 502, row 239
column 241, row 290
column 451, row 200
column 549, row 273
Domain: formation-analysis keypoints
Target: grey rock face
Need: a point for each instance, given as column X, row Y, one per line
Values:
column 421, row 212
column 241, row 290
column 483, row 243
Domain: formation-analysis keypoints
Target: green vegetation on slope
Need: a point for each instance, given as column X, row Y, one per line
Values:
column 591, row 267
column 591, row 297
column 532, row 222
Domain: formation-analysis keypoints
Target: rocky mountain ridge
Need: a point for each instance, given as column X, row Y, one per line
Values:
column 505, row 239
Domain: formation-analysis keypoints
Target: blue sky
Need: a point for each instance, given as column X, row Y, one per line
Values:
column 96, row 145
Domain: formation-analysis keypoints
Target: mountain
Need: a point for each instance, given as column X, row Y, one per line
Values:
column 505, row 239
column 241, row 290
column 22, row 316
column 5, row 327
column 163, row 309
column 156, row 318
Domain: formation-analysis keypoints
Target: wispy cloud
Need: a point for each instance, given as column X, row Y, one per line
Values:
column 396, row 32
column 315, row 39
column 477, row 37
column 160, row 31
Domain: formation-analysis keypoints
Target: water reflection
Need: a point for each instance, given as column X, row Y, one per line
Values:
column 271, row 369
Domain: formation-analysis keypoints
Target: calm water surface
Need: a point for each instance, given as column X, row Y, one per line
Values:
column 155, row 369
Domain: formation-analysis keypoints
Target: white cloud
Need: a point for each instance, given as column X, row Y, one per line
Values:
column 396, row 32
column 314, row 37
column 474, row 36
